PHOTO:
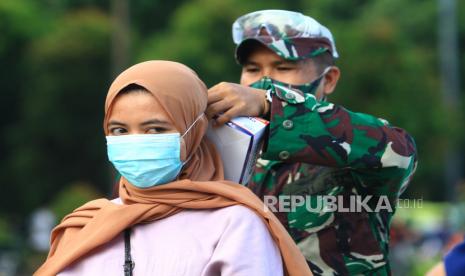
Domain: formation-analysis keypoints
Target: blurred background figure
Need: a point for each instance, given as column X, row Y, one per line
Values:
column 42, row 222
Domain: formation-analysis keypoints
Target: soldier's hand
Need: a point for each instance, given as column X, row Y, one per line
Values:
column 228, row 100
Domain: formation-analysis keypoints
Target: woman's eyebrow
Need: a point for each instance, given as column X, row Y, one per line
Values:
column 113, row 122
column 154, row 122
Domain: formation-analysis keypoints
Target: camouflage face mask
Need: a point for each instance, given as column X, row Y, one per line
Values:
column 266, row 83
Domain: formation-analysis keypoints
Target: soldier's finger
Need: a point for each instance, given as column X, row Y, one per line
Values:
column 227, row 116
column 214, row 95
column 218, row 107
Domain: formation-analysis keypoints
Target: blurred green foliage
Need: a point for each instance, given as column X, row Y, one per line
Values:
column 56, row 68
column 6, row 237
column 57, row 137
column 72, row 197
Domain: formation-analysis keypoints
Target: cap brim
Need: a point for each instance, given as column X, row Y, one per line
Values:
column 244, row 49
column 301, row 48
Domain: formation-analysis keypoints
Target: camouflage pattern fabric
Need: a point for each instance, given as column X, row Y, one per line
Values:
column 299, row 48
column 319, row 148
column 288, row 48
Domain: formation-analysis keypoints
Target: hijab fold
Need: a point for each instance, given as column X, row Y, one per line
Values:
column 200, row 185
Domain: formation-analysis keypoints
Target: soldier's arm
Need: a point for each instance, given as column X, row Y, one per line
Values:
column 383, row 157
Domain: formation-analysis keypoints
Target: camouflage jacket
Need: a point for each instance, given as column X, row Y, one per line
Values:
column 317, row 149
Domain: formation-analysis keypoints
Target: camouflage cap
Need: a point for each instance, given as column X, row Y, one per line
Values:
column 291, row 35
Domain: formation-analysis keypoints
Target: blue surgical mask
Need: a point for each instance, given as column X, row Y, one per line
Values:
column 146, row 160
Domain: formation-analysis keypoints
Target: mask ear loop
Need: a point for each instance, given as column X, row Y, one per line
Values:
column 326, row 71
column 189, row 128
column 320, row 78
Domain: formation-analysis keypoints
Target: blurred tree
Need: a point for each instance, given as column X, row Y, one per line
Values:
column 149, row 16
column 20, row 23
column 199, row 35
column 60, row 139
column 72, row 196
column 60, row 7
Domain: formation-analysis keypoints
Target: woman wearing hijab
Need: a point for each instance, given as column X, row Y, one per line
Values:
column 175, row 214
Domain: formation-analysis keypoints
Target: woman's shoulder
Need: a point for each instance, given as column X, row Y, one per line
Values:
column 237, row 209
column 235, row 216
column 239, row 214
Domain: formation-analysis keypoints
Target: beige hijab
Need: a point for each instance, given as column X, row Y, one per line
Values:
column 201, row 186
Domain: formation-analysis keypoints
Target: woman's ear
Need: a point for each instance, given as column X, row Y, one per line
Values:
column 330, row 80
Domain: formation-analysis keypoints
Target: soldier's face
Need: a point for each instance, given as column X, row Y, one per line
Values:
column 263, row 62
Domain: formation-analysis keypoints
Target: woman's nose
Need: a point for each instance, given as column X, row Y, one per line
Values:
column 136, row 131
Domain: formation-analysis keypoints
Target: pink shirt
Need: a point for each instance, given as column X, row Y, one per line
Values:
column 225, row 241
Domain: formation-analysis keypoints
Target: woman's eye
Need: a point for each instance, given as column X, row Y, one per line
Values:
column 118, row 131
column 156, row 130
column 285, row 68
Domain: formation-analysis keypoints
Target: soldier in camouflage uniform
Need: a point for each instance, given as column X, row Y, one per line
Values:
column 315, row 148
